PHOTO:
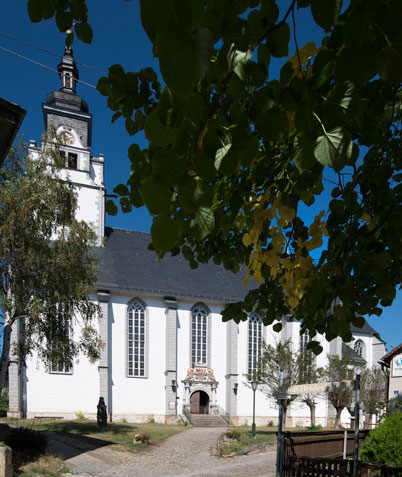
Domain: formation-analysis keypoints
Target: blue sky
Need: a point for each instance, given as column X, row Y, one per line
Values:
column 118, row 38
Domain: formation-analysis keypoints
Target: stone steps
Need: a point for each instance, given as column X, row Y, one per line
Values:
column 207, row 420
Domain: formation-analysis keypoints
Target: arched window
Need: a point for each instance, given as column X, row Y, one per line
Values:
column 304, row 340
column 359, row 348
column 254, row 343
column 136, row 340
column 199, row 335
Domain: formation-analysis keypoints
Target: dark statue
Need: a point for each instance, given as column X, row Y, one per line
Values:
column 101, row 415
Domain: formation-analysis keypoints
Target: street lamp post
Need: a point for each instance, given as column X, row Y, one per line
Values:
column 254, row 385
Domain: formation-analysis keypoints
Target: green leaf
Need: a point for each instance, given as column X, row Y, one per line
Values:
column 64, row 21
column 110, row 207
column 35, row 10
column 334, row 148
column 177, row 54
column 156, row 132
column 278, row 41
column 166, row 233
column 391, row 61
column 79, row 10
column 204, row 43
column 188, row 13
column 84, row 32
column 303, row 152
column 204, row 218
column 195, row 107
column 273, row 125
column 48, row 9
column 326, row 12
column 131, row 127
column 156, row 195
column 169, row 166
column 116, row 116
column 277, row 327
column 121, row 189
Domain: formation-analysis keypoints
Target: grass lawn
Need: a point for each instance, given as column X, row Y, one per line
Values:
column 47, row 465
column 118, row 433
column 263, row 434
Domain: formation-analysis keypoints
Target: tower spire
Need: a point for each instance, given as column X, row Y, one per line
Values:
column 68, row 71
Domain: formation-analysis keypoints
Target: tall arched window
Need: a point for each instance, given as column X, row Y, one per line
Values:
column 359, row 348
column 199, row 335
column 254, row 343
column 136, row 340
column 304, row 340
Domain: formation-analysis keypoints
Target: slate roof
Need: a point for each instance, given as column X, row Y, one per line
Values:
column 352, row 354
column 366, row 329
column 125, row 263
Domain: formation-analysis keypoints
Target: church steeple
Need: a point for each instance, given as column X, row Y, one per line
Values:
column 68, row 71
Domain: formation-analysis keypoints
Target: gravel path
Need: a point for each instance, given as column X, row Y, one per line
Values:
column 189, row 453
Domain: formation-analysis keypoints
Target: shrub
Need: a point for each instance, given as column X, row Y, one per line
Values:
column 233, row 434
column 383, row 445
column 143, row 438
column 314, row 427
column 80, row 416
column 151, row 419
column 27, row 442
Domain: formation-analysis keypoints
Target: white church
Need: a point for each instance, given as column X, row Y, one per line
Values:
column 168, row 355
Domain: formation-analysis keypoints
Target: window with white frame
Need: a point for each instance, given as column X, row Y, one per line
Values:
column 254, row 343
column 306, row 359
column 359, row 348
column 199, row 335
column 304, row 340
column 136, row 340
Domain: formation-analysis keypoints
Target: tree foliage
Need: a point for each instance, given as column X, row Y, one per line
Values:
column 235, row 154
column 340, row 369
column 47, row 269
column 298, row 368
column 383, row 444
column 373, row 391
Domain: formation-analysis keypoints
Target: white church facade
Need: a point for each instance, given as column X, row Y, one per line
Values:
column 167, row 353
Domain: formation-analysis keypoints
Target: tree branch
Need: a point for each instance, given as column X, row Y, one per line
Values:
column 278, row 25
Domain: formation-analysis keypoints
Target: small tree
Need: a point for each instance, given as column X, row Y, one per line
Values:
column 273, row 361
column 372, row 391
column 46, row 266
column 339, row 369
column 308, row 373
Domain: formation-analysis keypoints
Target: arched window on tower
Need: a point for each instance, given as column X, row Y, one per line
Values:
column 359, row 348
column 254, row 344
column 199, row 335
column 68, row 80
column 136, row 339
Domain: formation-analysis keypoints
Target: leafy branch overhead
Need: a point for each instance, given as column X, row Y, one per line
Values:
column 236, row 155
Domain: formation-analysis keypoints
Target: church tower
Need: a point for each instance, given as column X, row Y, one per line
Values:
column 67, row 114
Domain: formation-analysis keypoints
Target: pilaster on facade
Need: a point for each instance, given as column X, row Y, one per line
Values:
column 335, row 347
column 231, row 377
column 15, row 408
column 104, row 361
column 171, row 356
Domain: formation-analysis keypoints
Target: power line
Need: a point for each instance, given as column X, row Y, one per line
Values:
column 50, row 52
column 42, row 65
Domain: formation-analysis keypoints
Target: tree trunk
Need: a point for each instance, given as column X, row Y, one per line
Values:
column 312, row 414
column 338, row 417
column 5, row 355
